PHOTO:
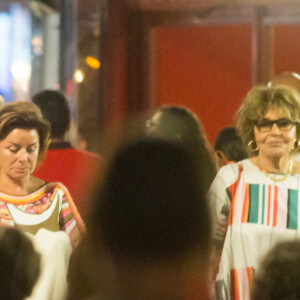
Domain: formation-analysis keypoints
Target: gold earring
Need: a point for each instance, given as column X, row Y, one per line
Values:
column 296, row 145
column 250, row 146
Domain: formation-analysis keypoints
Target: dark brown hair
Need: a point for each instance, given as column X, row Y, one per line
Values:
column 25, row 115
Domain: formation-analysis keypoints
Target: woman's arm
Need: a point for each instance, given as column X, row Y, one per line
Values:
column 220, row 203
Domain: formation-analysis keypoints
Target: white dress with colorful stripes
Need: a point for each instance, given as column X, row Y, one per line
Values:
column 251, row 212
column 51, row 207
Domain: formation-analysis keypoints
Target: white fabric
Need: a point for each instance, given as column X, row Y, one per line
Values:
column 262, row 213
column 55, row 250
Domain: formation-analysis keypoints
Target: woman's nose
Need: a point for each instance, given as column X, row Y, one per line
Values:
column 22, row 155
column 275, row 129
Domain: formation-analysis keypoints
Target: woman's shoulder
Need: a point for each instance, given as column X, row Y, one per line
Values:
column 234, row 167
column 228, row 173
column 38, row 184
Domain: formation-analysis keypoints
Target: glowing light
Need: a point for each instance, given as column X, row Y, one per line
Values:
column 93, row 62
column 37, row 45
column 78, row 76
column 21, row 69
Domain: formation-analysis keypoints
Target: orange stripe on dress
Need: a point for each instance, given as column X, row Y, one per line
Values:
column 245, row 205
column 275, row 206
column 232, row 207
column 24, row 199
column 234, row 286
column 66, row 211
column 250, row 276
column 269, row 206
column 233, row 191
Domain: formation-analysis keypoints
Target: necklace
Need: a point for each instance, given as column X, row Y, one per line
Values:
column 278, row 176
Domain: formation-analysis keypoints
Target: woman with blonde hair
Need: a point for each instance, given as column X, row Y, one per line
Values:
column 255, row 202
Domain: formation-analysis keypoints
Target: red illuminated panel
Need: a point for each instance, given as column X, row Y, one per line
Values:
column 286, row 48
column 206, row 68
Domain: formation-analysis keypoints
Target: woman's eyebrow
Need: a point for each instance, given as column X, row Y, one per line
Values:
column 18, row 145
column 13, row 143
column 33, row 144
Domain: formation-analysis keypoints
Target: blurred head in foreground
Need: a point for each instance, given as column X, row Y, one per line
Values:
column 154, row 221
column 20, row 265
column 279, row 274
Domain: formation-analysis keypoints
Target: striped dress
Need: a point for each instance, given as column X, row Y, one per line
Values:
column 50, row 207
column 251, row 212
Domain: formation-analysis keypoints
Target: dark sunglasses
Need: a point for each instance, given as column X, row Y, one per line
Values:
column 266, row 125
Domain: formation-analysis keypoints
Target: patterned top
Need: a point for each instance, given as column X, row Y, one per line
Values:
column 50, row 207
column 251, row 212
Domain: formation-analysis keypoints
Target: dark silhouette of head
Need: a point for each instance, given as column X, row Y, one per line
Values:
column 149, row 230
column 55, row 109
column 20, row 265
column 279, row 273
column 152, row 207
column 180, row 125
column 229, row 146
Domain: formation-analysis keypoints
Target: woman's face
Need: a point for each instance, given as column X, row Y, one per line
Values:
column 19, row 153
column 275, row 141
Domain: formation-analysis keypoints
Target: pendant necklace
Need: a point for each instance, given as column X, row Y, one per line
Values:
column 278, row 176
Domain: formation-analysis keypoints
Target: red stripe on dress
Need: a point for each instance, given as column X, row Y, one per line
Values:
column 246, row 205
column 269, row 206
column 275, row 206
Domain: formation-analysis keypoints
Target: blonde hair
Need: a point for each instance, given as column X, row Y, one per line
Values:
column 257, row 103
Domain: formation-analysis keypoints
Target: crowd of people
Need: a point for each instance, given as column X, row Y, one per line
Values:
column 169, row 217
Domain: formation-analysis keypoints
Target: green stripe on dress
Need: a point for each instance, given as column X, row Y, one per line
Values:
column 263, row 204
column 253, row 203
column 292, row 217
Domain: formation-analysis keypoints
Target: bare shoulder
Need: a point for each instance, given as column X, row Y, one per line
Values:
column 296, row 167
column 35, row 184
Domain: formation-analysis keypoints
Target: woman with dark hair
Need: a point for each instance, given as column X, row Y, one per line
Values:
column 44, row 210
column 27, row 202
column 180, row 125
column 255, row 202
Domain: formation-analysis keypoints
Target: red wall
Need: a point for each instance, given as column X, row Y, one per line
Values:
column 207, row 69
column 286, row 48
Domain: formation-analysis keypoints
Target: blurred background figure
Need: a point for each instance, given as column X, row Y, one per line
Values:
column 180, row 125
column 290, row 79
column 278, row 276
column 151, row 216
column 78, row 170
column 229, row 147
column 20, row 265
